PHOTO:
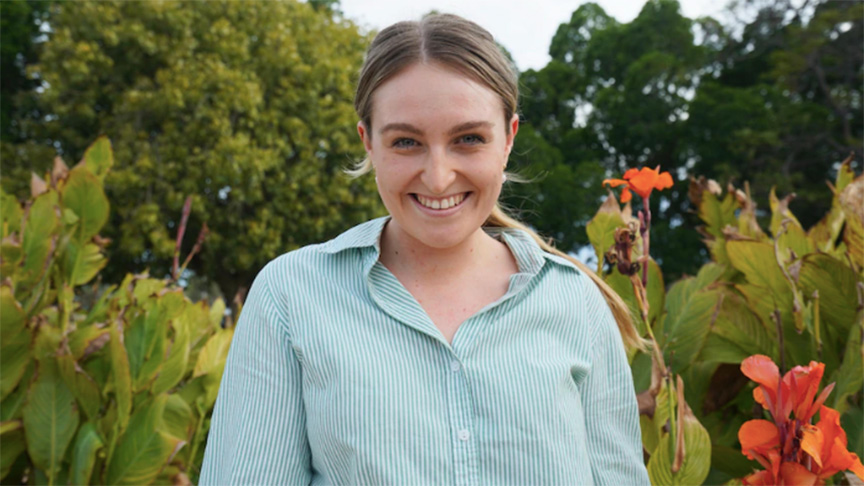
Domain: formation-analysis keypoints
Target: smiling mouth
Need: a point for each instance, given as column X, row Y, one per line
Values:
column 441, row 204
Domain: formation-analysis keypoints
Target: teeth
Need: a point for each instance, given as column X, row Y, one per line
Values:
column 441, row 204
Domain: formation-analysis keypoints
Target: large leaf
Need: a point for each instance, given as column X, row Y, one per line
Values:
column 717, row 214
column 211, row 362
column 10, row 215
column 14, row 319
column 84, row 388
column 13, row 446
column 852, row 200
column 601, row 228
column 178, row 417
column 83, row 194
column 15, row 355
column 176, row 363
column 737, row 324
column 50, row 419
column 87, row 446
column 849, row 377
column 824, row 234
column 690, row 316
column 82, row 262
column 837, row 284
column 38, row 240
column 697, row 458
column 144, row 448
column 122, row 379
column 99, row 157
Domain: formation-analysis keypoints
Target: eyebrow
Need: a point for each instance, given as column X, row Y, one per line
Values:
column 407, row 127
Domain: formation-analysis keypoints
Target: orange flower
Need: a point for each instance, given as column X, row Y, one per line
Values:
column 791, row 449
column 641, row 181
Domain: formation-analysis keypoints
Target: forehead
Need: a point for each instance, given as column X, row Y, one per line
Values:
column 434, row 96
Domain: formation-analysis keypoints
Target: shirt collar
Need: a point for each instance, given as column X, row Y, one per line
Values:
column 528, row 253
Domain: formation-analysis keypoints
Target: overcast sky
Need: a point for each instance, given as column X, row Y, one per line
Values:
column 524, row 27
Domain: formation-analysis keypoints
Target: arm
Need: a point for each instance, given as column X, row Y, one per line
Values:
column 611, row 412
column 258, row 430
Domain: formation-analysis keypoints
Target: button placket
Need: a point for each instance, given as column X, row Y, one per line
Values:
column 461, row 423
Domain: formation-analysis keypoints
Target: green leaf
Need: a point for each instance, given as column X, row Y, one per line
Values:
column 144, row 448
column 14, row 319
column 690, row 316
column 13, row 446
column 178, row 417
column 41, row 224
column 11, row 256
column 737, row 324
column 122, row 379
column 837, row 284
column 177, row 361
column 10, row 215
column 697, row 457
column 717, row 214
column 87, row 340
column 650, row 438
column 50, row 419
column 99, row 157
column 211, row 362
column 601, row 228
column 84, row 452
column 217, row 313
column 83, row 194
column 756, row 260
column 15, row 355
column 82, row 263
column 86, row 390
column 848, row 377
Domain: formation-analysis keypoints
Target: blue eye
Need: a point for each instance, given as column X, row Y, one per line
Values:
column 472, row 139
column 404, row 143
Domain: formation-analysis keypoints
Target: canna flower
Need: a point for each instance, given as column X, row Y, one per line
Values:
column 641, row 181
column 791, row 449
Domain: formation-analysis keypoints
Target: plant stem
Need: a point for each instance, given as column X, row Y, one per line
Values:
column 646, row 241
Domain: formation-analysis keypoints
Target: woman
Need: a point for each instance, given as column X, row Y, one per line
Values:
column 445, row 343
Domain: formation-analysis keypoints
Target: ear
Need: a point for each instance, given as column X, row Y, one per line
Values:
column 514, row 127
column 365, row 136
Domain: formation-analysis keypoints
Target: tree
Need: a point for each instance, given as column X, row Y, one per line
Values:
column 613, row 96
column 247, row 107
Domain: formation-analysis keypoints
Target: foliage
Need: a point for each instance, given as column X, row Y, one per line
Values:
column 785, row 292
column 116, row 390
column 247, row 106
column 778, row 95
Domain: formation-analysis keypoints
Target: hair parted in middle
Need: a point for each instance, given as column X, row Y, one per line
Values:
column 467, row 48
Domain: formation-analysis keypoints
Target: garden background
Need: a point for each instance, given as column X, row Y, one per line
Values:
column 230, row 123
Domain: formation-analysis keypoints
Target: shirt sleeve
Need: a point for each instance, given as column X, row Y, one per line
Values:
column 258, row 430
column 611, row 411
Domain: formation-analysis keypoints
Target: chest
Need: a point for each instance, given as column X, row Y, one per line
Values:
column 449, row 306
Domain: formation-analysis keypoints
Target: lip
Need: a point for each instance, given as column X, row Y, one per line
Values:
column 439, row 213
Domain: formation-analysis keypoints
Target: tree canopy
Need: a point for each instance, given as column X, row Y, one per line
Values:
column 245, row 106
column 778, row 105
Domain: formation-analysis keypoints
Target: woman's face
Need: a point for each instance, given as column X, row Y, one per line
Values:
column 439, row 146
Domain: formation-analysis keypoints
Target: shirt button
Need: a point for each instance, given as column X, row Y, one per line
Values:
column 455, row 366
column 464, row 435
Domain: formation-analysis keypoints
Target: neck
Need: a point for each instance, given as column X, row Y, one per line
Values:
column 404, row 255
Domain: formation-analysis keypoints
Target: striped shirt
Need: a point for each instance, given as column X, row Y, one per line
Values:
column 336, row 375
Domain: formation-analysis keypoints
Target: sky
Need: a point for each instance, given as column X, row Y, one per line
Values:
column 524, row 27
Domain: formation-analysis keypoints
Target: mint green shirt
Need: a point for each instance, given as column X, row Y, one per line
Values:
column 336, row 375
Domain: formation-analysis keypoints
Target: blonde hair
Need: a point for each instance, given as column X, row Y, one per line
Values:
column 470, row 50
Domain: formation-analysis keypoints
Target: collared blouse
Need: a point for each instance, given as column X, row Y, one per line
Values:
column 336, row 375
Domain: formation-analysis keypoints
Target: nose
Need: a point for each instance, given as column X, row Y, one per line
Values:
column 438, row 171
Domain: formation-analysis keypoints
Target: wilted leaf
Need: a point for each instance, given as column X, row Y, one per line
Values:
column 50, row 419
column 656, row 294
column 82, row 263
